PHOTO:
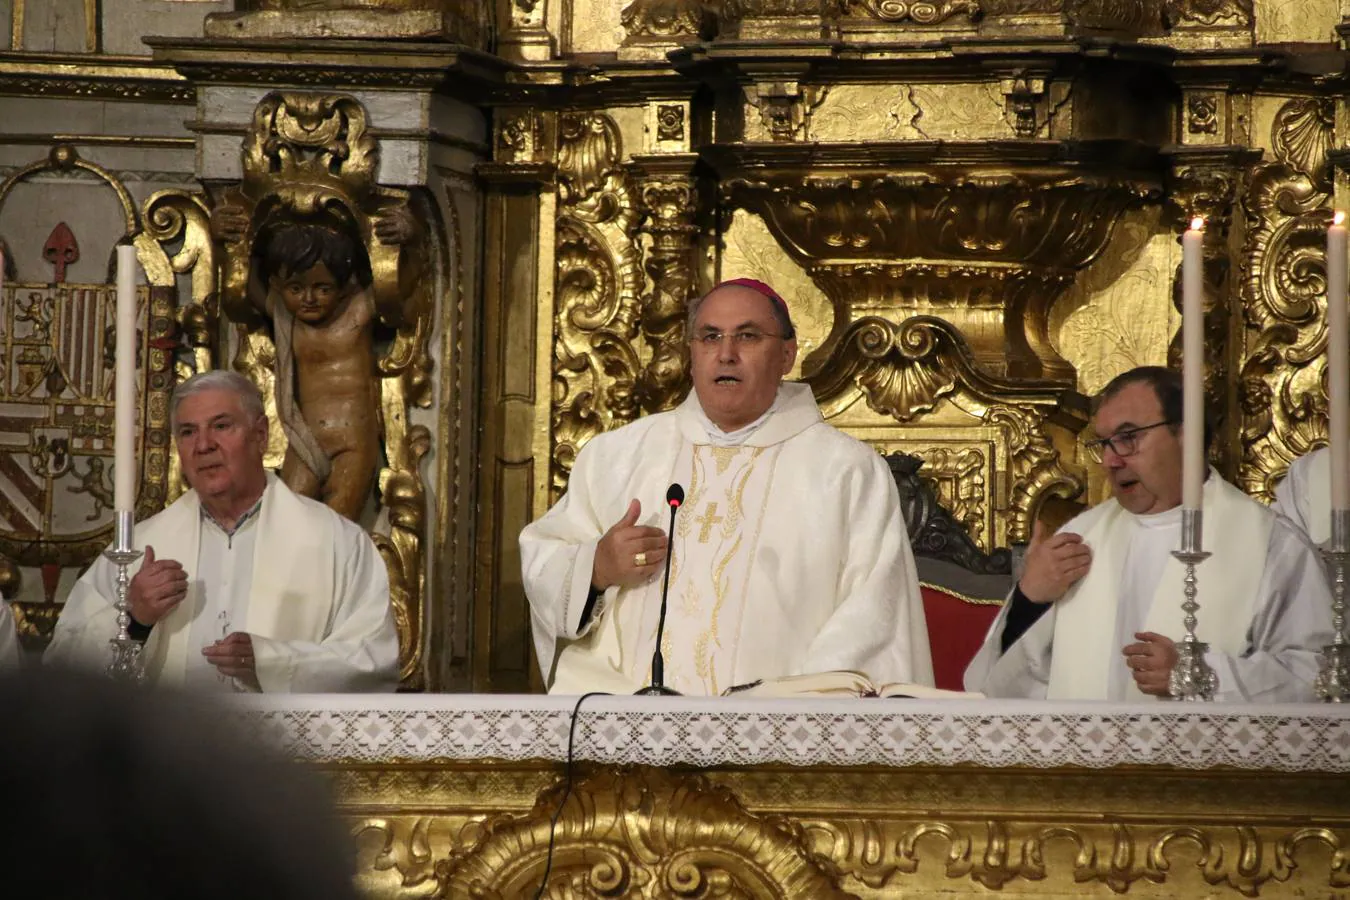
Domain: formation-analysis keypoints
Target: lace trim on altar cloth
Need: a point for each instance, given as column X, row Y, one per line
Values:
column 711, row 732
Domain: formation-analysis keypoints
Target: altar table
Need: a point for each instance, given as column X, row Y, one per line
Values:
column 454, row 796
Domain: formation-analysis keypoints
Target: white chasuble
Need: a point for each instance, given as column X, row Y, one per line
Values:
column 1261, row 597
column 318, row 601
column 716, row 538
column 790, row 557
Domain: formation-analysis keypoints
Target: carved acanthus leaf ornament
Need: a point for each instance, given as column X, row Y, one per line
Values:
column 1282, row 398
column 599, row 282
column 642, row 833
column 905, row 370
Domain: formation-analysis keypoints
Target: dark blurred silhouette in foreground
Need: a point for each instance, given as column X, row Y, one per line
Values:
column 108, row 792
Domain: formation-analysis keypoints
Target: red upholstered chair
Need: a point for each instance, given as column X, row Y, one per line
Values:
column 963, row 587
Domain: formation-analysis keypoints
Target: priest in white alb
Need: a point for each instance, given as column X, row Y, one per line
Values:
column 1304, row 496
column 10, row 652
column 790, row 556
column 1096, row 614
column 244, row 584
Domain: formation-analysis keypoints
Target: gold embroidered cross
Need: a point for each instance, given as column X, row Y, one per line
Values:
column 706, row 523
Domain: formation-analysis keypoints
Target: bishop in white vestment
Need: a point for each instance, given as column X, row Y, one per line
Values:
column 790, row 555
column 1103, row 623
column 282, row 595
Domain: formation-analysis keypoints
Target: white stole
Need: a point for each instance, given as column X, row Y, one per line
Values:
column 1236, row 531
column 291, row 597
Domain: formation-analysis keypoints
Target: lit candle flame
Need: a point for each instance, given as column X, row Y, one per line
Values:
column 1339, row 218
column 1197, row 224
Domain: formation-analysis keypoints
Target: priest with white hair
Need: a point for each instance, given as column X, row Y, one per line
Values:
column 1096, row 614
column 244, row 585
column 790, row 555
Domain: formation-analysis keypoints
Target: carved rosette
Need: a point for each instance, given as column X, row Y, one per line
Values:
column 637, row 833
column 904, row 371
column 599, row 312
column 1281, row 387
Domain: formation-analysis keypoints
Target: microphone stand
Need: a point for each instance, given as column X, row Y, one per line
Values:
column 658, row 687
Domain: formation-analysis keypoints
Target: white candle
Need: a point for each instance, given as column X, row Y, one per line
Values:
column 1338, row 362
column 1193, row 364
column 124, row 433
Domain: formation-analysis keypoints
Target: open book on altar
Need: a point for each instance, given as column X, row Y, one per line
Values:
column 842, row 683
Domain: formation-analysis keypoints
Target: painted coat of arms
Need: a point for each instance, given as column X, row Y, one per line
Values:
column 56, row 421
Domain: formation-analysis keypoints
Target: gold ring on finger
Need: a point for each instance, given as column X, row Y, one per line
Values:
column 639, row 559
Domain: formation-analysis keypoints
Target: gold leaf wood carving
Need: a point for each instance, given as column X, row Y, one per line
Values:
column 645, row 833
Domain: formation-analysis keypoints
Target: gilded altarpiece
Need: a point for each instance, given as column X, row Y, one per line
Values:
column 972, row 207
column 974, row 210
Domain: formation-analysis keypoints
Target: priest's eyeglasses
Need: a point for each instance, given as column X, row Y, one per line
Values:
column 1122, row 443
column 744, row 338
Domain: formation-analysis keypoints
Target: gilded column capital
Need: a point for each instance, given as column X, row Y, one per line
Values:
column 1204, row 191
column 784, row 106
column 523, row 35
column 1024, row 96
column 653, row 28
column 523, row 147
column 779, row 20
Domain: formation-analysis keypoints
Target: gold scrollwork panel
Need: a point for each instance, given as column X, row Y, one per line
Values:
column 597, row 359
column 482, row 829
column 1281, row 394
column 920, row 374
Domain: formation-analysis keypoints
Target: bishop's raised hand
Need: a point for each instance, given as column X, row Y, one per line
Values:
column 629, row 553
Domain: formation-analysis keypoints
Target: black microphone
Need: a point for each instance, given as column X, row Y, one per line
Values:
column 675, row 497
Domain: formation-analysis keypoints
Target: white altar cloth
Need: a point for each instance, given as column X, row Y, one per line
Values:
column 847, row 732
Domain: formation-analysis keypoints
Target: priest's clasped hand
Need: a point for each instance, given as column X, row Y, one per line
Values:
column 233, row 657
column 1151, row 662
column 156, row 589
column 623, row 547
column 1053, row 565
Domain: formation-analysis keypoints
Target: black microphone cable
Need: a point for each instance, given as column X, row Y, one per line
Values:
column 567, row 789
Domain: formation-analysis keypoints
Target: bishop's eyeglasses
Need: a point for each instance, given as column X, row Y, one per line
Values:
column 743, row 338
column 1122, row 443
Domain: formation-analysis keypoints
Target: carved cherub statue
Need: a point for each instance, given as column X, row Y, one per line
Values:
column 313, row 279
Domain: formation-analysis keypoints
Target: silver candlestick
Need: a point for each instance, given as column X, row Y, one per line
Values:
column 1191, row 678
column 1333, row 679
column 126, row 650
